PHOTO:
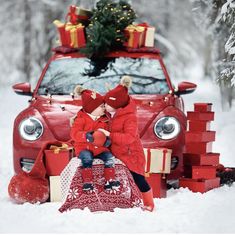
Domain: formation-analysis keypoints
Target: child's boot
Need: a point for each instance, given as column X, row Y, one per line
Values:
column 148, row 201
column 111, row 183
column 87, row 179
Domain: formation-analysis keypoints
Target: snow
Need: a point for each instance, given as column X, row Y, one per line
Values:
column 181, row 212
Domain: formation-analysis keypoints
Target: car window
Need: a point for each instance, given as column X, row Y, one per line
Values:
column 64, row 74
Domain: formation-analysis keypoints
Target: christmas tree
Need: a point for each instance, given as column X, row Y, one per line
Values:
column 106, row 30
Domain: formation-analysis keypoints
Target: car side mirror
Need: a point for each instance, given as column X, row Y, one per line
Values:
column 185, row 88
column 22, row 89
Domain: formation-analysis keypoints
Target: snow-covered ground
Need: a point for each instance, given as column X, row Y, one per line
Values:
column 181, row 212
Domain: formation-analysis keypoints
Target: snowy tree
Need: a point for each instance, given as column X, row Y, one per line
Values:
column 228, row 16
column 216, row 32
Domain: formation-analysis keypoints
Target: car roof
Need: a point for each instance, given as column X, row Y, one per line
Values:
column 65, row 52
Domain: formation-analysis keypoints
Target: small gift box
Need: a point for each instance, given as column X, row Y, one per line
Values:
column 149, row 33
column 55, row 189
column 76, row 34
column 78, row 15
column 71, row 35
column 158, row 160
column 57, row 157
column 64, row 36
column 135, row 36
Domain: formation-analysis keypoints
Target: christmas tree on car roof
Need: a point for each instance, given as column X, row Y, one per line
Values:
column 106, row 28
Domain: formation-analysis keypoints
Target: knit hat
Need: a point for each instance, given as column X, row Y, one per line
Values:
column 90, row 99
column 119, row 97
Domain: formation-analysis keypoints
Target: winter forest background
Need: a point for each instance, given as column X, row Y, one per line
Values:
column 189, row 33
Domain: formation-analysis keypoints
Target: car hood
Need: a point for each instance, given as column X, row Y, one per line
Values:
column 57, row 111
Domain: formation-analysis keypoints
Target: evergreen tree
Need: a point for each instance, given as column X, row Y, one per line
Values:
column 106, row 30
column 228, row 16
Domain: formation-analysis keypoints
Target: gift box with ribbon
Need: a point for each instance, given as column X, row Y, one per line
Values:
column 158, row 160
column 57, row 157
column 134, row 35
column 64, row 36
column 71, row 35
column 148, row 37
column 76, row 34
column 78, row 15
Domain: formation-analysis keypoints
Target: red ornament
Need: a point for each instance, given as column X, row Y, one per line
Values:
column 99, row 138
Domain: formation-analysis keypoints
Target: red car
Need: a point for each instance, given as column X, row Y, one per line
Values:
column 162, row 122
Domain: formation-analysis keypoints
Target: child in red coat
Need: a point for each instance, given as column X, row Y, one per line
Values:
column 126, row 144
column 90, row 143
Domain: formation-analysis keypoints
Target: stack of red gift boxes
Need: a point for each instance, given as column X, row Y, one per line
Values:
column 199, row 160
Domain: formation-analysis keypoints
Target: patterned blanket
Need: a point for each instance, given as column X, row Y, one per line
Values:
column 74, row 197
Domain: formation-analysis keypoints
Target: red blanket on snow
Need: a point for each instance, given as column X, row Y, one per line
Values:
column 128, row 195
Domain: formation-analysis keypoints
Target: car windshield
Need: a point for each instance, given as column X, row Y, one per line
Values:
column 64, row 74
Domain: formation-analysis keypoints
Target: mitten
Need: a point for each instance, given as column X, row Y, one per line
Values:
column 89, row 136
column 107, row 142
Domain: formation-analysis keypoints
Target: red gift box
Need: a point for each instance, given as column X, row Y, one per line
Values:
column 135, row 36
column 202, row 107
column 76, row 34
column 198, row 148
column 71, row 35
column 199, row 126
column 201, row 159
column 200, row 116
column 192, row 137
column 200, row 172
column 201, row 186
column 158, row 184
column 57, row 158
column 64, row 35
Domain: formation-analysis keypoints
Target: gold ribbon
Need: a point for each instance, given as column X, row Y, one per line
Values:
column 135, row 28
column 73, row 33
column 57, row 149
column 58, row 23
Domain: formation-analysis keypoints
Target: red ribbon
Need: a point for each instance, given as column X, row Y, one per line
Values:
column 148, row 160
column 164, row 159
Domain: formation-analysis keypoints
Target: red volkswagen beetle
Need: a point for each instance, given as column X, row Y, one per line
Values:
column 162, row 122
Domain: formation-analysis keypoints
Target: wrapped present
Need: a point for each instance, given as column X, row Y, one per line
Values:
column 71, row 35
column 64, row 35
column 202, row 107
column 149, row 33
column 201, row 159
column 200, row 172
column 201, row 186
column 57, row 157
column 158, row 160
column 55, row 189
column 135, row 36
column 78, row 15
column 158, row 185
column 200, row 116
column 193, row 137
column 76, row 34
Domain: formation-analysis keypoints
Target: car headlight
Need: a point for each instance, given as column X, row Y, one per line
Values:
column 167, row 127
column 31, row 129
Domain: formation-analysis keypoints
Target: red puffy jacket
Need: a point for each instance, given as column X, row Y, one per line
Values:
column 82, row 124
column 126, row 144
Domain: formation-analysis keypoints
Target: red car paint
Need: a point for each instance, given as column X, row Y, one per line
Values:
column 54, row 113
